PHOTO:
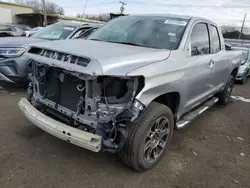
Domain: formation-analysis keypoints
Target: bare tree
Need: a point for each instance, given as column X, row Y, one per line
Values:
column 60, row 10
column 100, row 17
column 78, row 15
column 36, row 4
column 51, row 8
column 228, row 29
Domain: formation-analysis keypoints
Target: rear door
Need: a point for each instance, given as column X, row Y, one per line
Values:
column 199, row 78
column 218, row 59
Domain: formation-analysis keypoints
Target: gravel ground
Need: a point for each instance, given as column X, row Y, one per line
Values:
column 207, row 153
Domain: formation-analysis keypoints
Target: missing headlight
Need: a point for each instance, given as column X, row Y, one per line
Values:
column 119, row 90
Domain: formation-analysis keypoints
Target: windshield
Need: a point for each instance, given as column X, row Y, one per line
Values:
column 152, row 32
column 54, row 32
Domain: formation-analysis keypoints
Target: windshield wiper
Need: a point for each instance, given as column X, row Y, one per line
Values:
column 132, row 44
column 127, row 43
column 95, row 39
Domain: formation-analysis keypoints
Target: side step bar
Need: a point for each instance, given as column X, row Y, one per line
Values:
column 188, row 118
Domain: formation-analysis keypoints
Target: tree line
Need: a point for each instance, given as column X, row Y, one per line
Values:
column 234, row 32
column 100, row 17
column 51, row 8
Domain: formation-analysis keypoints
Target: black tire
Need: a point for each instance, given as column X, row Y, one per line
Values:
column 225, row 95
column 133, row 153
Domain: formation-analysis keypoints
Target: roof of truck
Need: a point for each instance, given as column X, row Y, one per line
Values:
column 77, row 24
column 166, row 15
column 174, row 16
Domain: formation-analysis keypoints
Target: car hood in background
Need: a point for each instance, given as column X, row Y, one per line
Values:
column 115, row 59
column 18, row 41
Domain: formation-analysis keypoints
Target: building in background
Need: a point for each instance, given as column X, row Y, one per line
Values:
column 15, row 13
column 37, row 19
column 9, row 11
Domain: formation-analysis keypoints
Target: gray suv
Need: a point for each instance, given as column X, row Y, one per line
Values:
column 14, row 62
column 127, row 86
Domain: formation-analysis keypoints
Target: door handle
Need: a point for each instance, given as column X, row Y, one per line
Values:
column 211, row 63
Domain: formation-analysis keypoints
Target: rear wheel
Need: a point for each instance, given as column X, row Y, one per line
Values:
column 225, row 95
column 148, row 137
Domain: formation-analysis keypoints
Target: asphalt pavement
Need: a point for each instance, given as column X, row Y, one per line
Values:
column 213, row 151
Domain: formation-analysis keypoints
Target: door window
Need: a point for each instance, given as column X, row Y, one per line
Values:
column 87, row 33
column 200, row 40
column 79, row 32
column 214, row 40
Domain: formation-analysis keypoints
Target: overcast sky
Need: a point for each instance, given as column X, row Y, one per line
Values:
column 228, row 15
column 200, row 8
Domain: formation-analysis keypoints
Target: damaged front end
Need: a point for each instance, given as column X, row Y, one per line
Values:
column 100, row 105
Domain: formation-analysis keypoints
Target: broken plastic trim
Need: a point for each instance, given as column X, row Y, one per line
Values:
column 136, row 109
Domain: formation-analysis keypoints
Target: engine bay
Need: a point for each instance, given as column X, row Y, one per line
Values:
column 102, row 105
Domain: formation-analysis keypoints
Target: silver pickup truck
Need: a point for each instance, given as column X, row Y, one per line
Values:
column 127, row 86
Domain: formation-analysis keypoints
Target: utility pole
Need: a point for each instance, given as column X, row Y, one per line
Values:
column 242, row 27
column 122, row 6
column 45, row 22
column 86, row 1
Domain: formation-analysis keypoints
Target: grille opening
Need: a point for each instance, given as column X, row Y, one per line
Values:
column 35, row 51
column 82, row 61
column 66, row 58
column 48, row 53
column 64, row 91
column 73, row 59
column 60, row 56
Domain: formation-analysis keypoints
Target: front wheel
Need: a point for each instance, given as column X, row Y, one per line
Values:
column 148, row 137
column 225, row 95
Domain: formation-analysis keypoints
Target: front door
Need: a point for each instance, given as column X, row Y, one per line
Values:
column 199, row 74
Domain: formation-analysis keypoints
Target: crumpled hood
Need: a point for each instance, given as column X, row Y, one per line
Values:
column 115, row 59
column 18, row 41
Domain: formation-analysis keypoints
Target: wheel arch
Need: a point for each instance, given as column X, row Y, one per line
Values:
column 171, row 99
column 234, row 72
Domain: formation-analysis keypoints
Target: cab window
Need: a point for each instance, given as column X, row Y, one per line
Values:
column 200, row 40
column 214, row 40
column 79, row 32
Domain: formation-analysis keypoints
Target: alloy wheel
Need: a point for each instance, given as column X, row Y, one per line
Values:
column 156, row 139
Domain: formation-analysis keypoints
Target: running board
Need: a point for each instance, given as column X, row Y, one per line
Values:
column 188, row 118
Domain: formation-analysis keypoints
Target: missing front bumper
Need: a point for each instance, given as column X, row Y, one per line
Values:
column 75, row 136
